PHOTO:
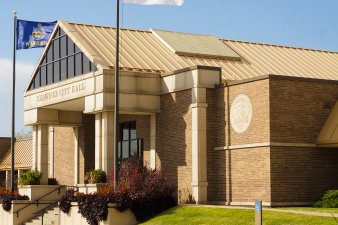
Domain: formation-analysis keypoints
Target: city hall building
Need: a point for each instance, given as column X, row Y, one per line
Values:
column 229, row 121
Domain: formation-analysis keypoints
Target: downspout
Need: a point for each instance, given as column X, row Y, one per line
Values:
column 228, row 159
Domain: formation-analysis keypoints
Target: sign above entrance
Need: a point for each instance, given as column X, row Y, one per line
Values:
column 241, row 113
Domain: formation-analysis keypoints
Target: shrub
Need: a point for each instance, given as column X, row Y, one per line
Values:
column 146, row 192
column 31, row 177
column 6, row 198
column 327, row 200
column 52, row 181
column 66, row 200
column 96, row 176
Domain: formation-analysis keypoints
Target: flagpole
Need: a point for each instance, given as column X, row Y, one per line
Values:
column 116, row 122
column 13, row 106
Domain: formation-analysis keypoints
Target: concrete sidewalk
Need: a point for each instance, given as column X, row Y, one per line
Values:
column 269, row 209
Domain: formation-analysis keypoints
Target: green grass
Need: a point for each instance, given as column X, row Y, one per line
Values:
column 311, row 209
column 221, row 216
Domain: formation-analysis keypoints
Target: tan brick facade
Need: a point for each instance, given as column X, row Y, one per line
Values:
column 241, row 168
column 64, row 155
column 173, row 140
column 299, row 109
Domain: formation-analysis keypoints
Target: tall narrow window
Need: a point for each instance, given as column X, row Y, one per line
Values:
column 129, row 145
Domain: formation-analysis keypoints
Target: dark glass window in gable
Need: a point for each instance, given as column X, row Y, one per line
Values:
column 71, row 67
column 50, row 73
column 63, row 60
column 78, row 64
column 43, row 76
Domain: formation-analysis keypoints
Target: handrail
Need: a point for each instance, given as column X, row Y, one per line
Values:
column 51, row 204
column 36, row 201
column 74, row 187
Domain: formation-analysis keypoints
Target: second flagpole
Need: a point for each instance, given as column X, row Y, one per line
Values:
column 116, row 122
column 13, row 107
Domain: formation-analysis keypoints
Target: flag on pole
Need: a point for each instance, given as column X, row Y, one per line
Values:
column 155, row 2
column 31, row 34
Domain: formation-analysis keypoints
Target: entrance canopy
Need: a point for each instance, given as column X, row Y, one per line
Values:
column 328, row 137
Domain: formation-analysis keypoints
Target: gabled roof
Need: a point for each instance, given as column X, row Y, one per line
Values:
column 144, row 51
column 328, row 136
column 22, row 157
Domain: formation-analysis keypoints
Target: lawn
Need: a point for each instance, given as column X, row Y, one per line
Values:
column 311, row 209
column 220, row 216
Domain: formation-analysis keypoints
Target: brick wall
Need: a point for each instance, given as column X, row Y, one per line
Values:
column 300, row 174
column 239, row 175
column 299, row 109
column 173, row 140
column 258, row 131
column 64, row 155
column 249, row 174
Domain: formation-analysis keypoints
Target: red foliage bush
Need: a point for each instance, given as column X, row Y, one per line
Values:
column 145, row 191
column 6, row 198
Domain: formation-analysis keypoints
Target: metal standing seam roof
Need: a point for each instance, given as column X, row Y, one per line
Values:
column 328, row 136
column 143, row 51
column 22, row 156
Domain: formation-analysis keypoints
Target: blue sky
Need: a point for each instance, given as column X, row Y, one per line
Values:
column 301, row 23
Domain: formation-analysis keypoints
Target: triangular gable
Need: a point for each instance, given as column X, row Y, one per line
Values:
column 63, row 57
column 328, row 136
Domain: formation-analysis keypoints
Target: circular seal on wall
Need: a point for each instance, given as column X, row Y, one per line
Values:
column 241, row 113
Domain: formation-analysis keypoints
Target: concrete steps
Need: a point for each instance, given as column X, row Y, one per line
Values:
column 50, row 217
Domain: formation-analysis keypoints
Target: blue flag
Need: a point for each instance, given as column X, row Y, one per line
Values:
column 32, row 34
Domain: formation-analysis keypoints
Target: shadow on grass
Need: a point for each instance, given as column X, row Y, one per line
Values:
column 167, row 212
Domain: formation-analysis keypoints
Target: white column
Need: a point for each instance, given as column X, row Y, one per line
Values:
column 199, row 145
column 153, row 141
column 107, row 142
column 8, row 179
column 20, row 171
column 98, row 141
column 42, row 153
column 51, row 151
column 34, row 147
column 76, row 155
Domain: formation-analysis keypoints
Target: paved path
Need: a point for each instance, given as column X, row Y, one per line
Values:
column 310, row 213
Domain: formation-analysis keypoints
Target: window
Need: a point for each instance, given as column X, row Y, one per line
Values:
column 63, row 60
column 129, row 145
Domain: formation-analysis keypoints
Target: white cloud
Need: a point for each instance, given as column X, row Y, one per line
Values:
column 23, row 73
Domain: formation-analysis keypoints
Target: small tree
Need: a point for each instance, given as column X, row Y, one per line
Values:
column 24, row 134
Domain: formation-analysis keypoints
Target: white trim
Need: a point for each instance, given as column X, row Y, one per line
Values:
column 266, row 144
column 76, row 155
column 51, row 151
column 153, row 141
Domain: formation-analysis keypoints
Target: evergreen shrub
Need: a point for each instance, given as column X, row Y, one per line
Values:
column 327, row 200
column 31, row 177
